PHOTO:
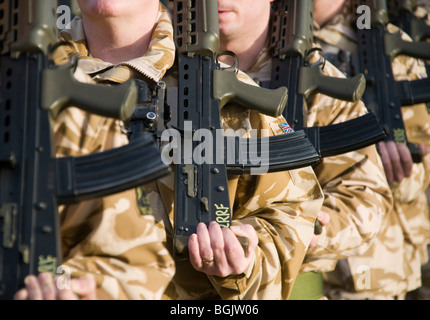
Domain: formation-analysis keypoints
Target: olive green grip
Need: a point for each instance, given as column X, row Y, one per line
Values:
column 62, row 90
column 312, row 80
column 227, row 87
column 420, row 30
column 395, row 46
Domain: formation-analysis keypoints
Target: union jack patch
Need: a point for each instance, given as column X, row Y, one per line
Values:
column 286, row 128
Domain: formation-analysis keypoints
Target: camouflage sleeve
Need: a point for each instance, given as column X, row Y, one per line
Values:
column 357, row 195
column 108, row 237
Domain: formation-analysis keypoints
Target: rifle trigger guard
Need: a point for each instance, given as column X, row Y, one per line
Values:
column 234, row 66
column 321, row 61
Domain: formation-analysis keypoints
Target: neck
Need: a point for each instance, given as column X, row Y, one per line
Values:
column 325, row 10
column 117, row 39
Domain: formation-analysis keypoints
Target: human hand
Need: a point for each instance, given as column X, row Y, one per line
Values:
column 397, row 160
column 324, row 219
column 47, row 287
column 217, row 251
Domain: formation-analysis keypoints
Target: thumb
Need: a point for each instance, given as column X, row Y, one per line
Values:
column 246, row 231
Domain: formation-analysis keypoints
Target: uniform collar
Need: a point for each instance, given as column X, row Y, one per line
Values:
column 159, row 57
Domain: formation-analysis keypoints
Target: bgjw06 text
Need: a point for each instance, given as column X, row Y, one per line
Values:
column 232, row 310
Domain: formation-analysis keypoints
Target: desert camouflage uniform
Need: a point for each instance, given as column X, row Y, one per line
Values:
column 357, row 195
column 391, row 266
column 108, row 237
column 281, row 206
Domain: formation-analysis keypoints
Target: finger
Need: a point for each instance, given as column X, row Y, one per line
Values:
column 397, row 167
column 47, row 286
column 424, row 149
column 21, row 295
column 386, row 161
column 85, row 288
column 323, row 217
column 66, row 293
column 64, row 288
column 246, row 231
column 194, row 252
column 314, row 241
column 33, row 287
column 205, row 247
column 217, row 244
column 234, row 252
column 405, row 159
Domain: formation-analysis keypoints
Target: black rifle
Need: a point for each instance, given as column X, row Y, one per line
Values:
column 201, row 190
column 383, row 95
column 33, row 181
column 291, row 41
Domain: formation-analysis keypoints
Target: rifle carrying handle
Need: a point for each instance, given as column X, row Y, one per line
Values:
column 61, row 90
column 228, row 87
column 312, row 80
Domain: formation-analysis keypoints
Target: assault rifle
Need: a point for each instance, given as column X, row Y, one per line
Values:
column 291, row 41
column 33, row 181
column 201, row 188
column 384, row 96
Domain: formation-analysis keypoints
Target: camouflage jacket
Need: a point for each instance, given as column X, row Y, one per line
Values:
column 281, row 206
column 391, row 267
column 357, row 195
column 108, row 237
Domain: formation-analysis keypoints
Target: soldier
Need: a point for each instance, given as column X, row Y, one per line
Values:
column 391, row 267
column 357, row 196
column 276, row 211
column 112, row 250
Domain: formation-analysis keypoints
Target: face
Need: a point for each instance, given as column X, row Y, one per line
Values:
column 111, row 8
column 241, row 16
